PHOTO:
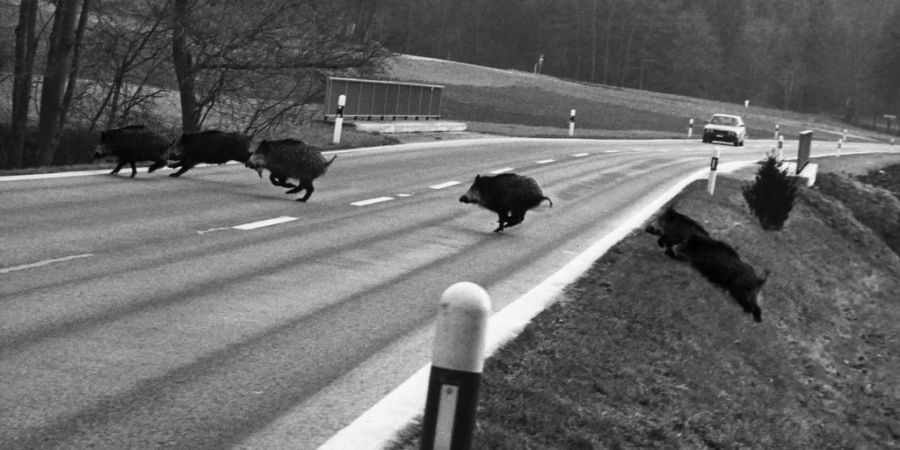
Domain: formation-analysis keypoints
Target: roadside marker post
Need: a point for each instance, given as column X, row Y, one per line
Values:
column 778, row 156
column 713, row 166
column 690, row 127
column 776, row 130
column 572, row 123
column 339, row 120
column 456, row 366
column 746, row 104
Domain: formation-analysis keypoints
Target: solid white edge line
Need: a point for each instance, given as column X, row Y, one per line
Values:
column 43, row 263
column 377, row 427
column 264, row 223
column 372, row 201
column 444, row 185
column 503, row 170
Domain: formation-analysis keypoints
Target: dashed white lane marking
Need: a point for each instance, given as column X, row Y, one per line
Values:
column 372, row 201
column 444, row 185
column 612, row 151
column 264, row 223
column 43, row 263
column 580, row 155
column 545, row 161
column 505, row 169
column 404, row 195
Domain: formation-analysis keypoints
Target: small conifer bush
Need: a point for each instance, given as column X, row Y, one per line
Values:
column 771, row 195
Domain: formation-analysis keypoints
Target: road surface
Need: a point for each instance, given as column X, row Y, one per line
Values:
column 213, row 311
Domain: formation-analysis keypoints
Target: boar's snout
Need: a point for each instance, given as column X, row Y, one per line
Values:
column 253, row 164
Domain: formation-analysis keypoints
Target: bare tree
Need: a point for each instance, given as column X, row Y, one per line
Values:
column 72, row 81
column 59, row 55
column 228, row 49
column 26, row 50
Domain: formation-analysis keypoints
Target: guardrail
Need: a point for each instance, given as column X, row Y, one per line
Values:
column 382, row 100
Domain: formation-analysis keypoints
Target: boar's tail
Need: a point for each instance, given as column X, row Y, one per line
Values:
column 548, row 200
column 330, row 161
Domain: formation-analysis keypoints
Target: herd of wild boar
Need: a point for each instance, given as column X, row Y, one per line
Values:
column 508, row 195
column 285, row 159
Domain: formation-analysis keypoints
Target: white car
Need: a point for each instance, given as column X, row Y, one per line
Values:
column 725, row 127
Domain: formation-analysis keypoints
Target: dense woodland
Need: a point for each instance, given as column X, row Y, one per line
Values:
column 69, row 66
column 804, row 55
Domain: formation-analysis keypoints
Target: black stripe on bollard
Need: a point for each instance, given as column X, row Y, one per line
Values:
column 450, row 408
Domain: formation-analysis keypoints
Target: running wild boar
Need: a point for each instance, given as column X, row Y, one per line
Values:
column 508, row 194
column 210, row 147
column 290, row 159
column 132, row 144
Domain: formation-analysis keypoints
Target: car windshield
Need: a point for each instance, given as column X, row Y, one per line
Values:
column 723, row 120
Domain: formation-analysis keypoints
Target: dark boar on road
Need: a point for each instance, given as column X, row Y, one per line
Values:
column 508, row 194
column 290, row 159
column 130, row 145
column 674, row 228
column 721, row 265
column 210, row 147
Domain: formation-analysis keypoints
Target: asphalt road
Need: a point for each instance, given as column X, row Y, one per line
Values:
column 176, row 313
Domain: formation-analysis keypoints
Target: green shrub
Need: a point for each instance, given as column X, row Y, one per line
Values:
column 771, row 195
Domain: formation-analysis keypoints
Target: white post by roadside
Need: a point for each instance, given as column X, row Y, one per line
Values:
column 746, row 104
column 339, row 120
column 778, row 155
column 457, row 362
column 572, row 123
column 776, row 130
column 690, row 127
column 713, row 166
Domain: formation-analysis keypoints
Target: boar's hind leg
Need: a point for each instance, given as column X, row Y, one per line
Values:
column 516, row 217
column 280, row 181
column 117, row 168
column 133, row 169
column 185, row 166
column 155, row 166
column 309, row 190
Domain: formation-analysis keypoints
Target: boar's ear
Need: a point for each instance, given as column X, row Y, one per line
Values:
column 477, row 177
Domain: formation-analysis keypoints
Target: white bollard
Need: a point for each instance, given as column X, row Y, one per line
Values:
column 778, row 155
column 572, row 123
column 339, row 120
column 457, row 362
column 713, row 166
column 690, row 128
column 746, row 103
column 776, row 130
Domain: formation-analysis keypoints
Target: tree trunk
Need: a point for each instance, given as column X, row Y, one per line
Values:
column 26, row 46
column 76, row 56
column 59, row 54
column 594, row 42
column 184, row 69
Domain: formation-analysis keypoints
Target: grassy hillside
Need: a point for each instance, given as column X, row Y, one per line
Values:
column 643, row 352
column 485, row 97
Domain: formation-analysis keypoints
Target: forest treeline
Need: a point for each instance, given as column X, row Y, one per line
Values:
column 69, row 66
column 832, row 56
